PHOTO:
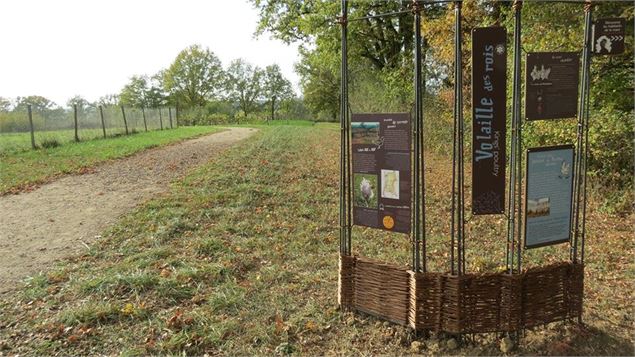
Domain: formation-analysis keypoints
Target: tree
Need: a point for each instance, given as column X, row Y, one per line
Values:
column 79, row 101
column 195, row 76
column 135, row 93
column 275, row 87
column 38, row 103
column 108, row 99
column 5, row 105
column 244, row 84
column 320, row 83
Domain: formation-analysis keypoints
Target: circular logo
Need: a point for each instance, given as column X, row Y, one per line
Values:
column 389, row 222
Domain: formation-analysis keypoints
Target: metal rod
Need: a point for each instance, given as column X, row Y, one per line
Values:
column 400, row 11
column 343, row 133
column 458, row 117
column 417, row 142
column 515, row 150
column 583, row 137
column 422, row 91
column 379, row 15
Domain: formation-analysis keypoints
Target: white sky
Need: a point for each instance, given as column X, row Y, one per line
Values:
column 61, row 48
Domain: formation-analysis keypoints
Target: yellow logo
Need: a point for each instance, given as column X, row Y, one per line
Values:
column 389, row 222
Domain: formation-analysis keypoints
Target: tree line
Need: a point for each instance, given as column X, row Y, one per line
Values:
column 197, row 84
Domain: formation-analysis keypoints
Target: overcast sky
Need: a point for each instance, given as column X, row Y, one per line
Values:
column 61, row 48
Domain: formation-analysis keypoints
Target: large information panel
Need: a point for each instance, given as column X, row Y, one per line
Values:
column 552, row 85
column 381, row 171
column 548, row 195
column 489, row 111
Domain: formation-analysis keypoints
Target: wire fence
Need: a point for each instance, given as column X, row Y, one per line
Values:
column 33, row 128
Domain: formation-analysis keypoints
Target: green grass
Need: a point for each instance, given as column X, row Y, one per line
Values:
column 23, row 168
column 241, row 259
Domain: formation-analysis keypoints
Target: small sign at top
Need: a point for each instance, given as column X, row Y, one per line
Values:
column 608, row 36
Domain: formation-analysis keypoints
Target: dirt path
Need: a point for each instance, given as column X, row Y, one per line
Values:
column 58, row 219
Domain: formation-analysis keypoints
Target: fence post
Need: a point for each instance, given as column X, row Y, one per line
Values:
column 176, row 114
column 75, row 119
column 160, row 118
column 125, row 123
column 170, row 114
column 103, row 123
column 145, row 124
column 31, row 127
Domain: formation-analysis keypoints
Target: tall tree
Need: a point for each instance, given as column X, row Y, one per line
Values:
column 79, row 101
column 135, row 93
column 276, row 88
column 195, row 76
column 244, row 84
column 108, row 99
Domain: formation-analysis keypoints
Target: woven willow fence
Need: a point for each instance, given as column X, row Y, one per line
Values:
column 469, row 303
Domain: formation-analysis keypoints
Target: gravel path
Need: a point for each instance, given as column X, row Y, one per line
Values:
column 58, row 219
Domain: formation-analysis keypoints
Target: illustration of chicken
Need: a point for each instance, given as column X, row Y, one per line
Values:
column 367, row 191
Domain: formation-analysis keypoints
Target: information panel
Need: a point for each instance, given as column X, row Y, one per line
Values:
column 381, row 171
column 489, row 111
column 548, row 195
column 552, row 85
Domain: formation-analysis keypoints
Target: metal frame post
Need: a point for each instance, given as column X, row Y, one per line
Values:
column 515, row 141
column 344, row 149
column 582, row 148
column 457, row 235
column 419, row 254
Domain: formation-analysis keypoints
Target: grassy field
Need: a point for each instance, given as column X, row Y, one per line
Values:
column 241, row 259
column 22, row 169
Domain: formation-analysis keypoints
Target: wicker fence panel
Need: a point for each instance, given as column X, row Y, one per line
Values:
column 345, row 282
column 426, row 298
column 382, row 290
column 471, row 303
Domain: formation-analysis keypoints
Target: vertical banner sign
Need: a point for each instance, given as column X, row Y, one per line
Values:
column 608, row 36
column 489, row 111
column 552, row 85
column 381, row 171
column 548, row 195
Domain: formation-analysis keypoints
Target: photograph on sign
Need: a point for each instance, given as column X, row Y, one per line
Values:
column 608, row 36
column 489, row 113
column 381, row 171
column 552, row 85
column 548, row 195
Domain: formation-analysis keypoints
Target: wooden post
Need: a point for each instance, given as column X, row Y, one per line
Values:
column 176, row 114
column 125, row 123
column 170, row 114
column 31, row 126
column 160, row 118
column 75, row 118
column 103, row 123
column 145, row 124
